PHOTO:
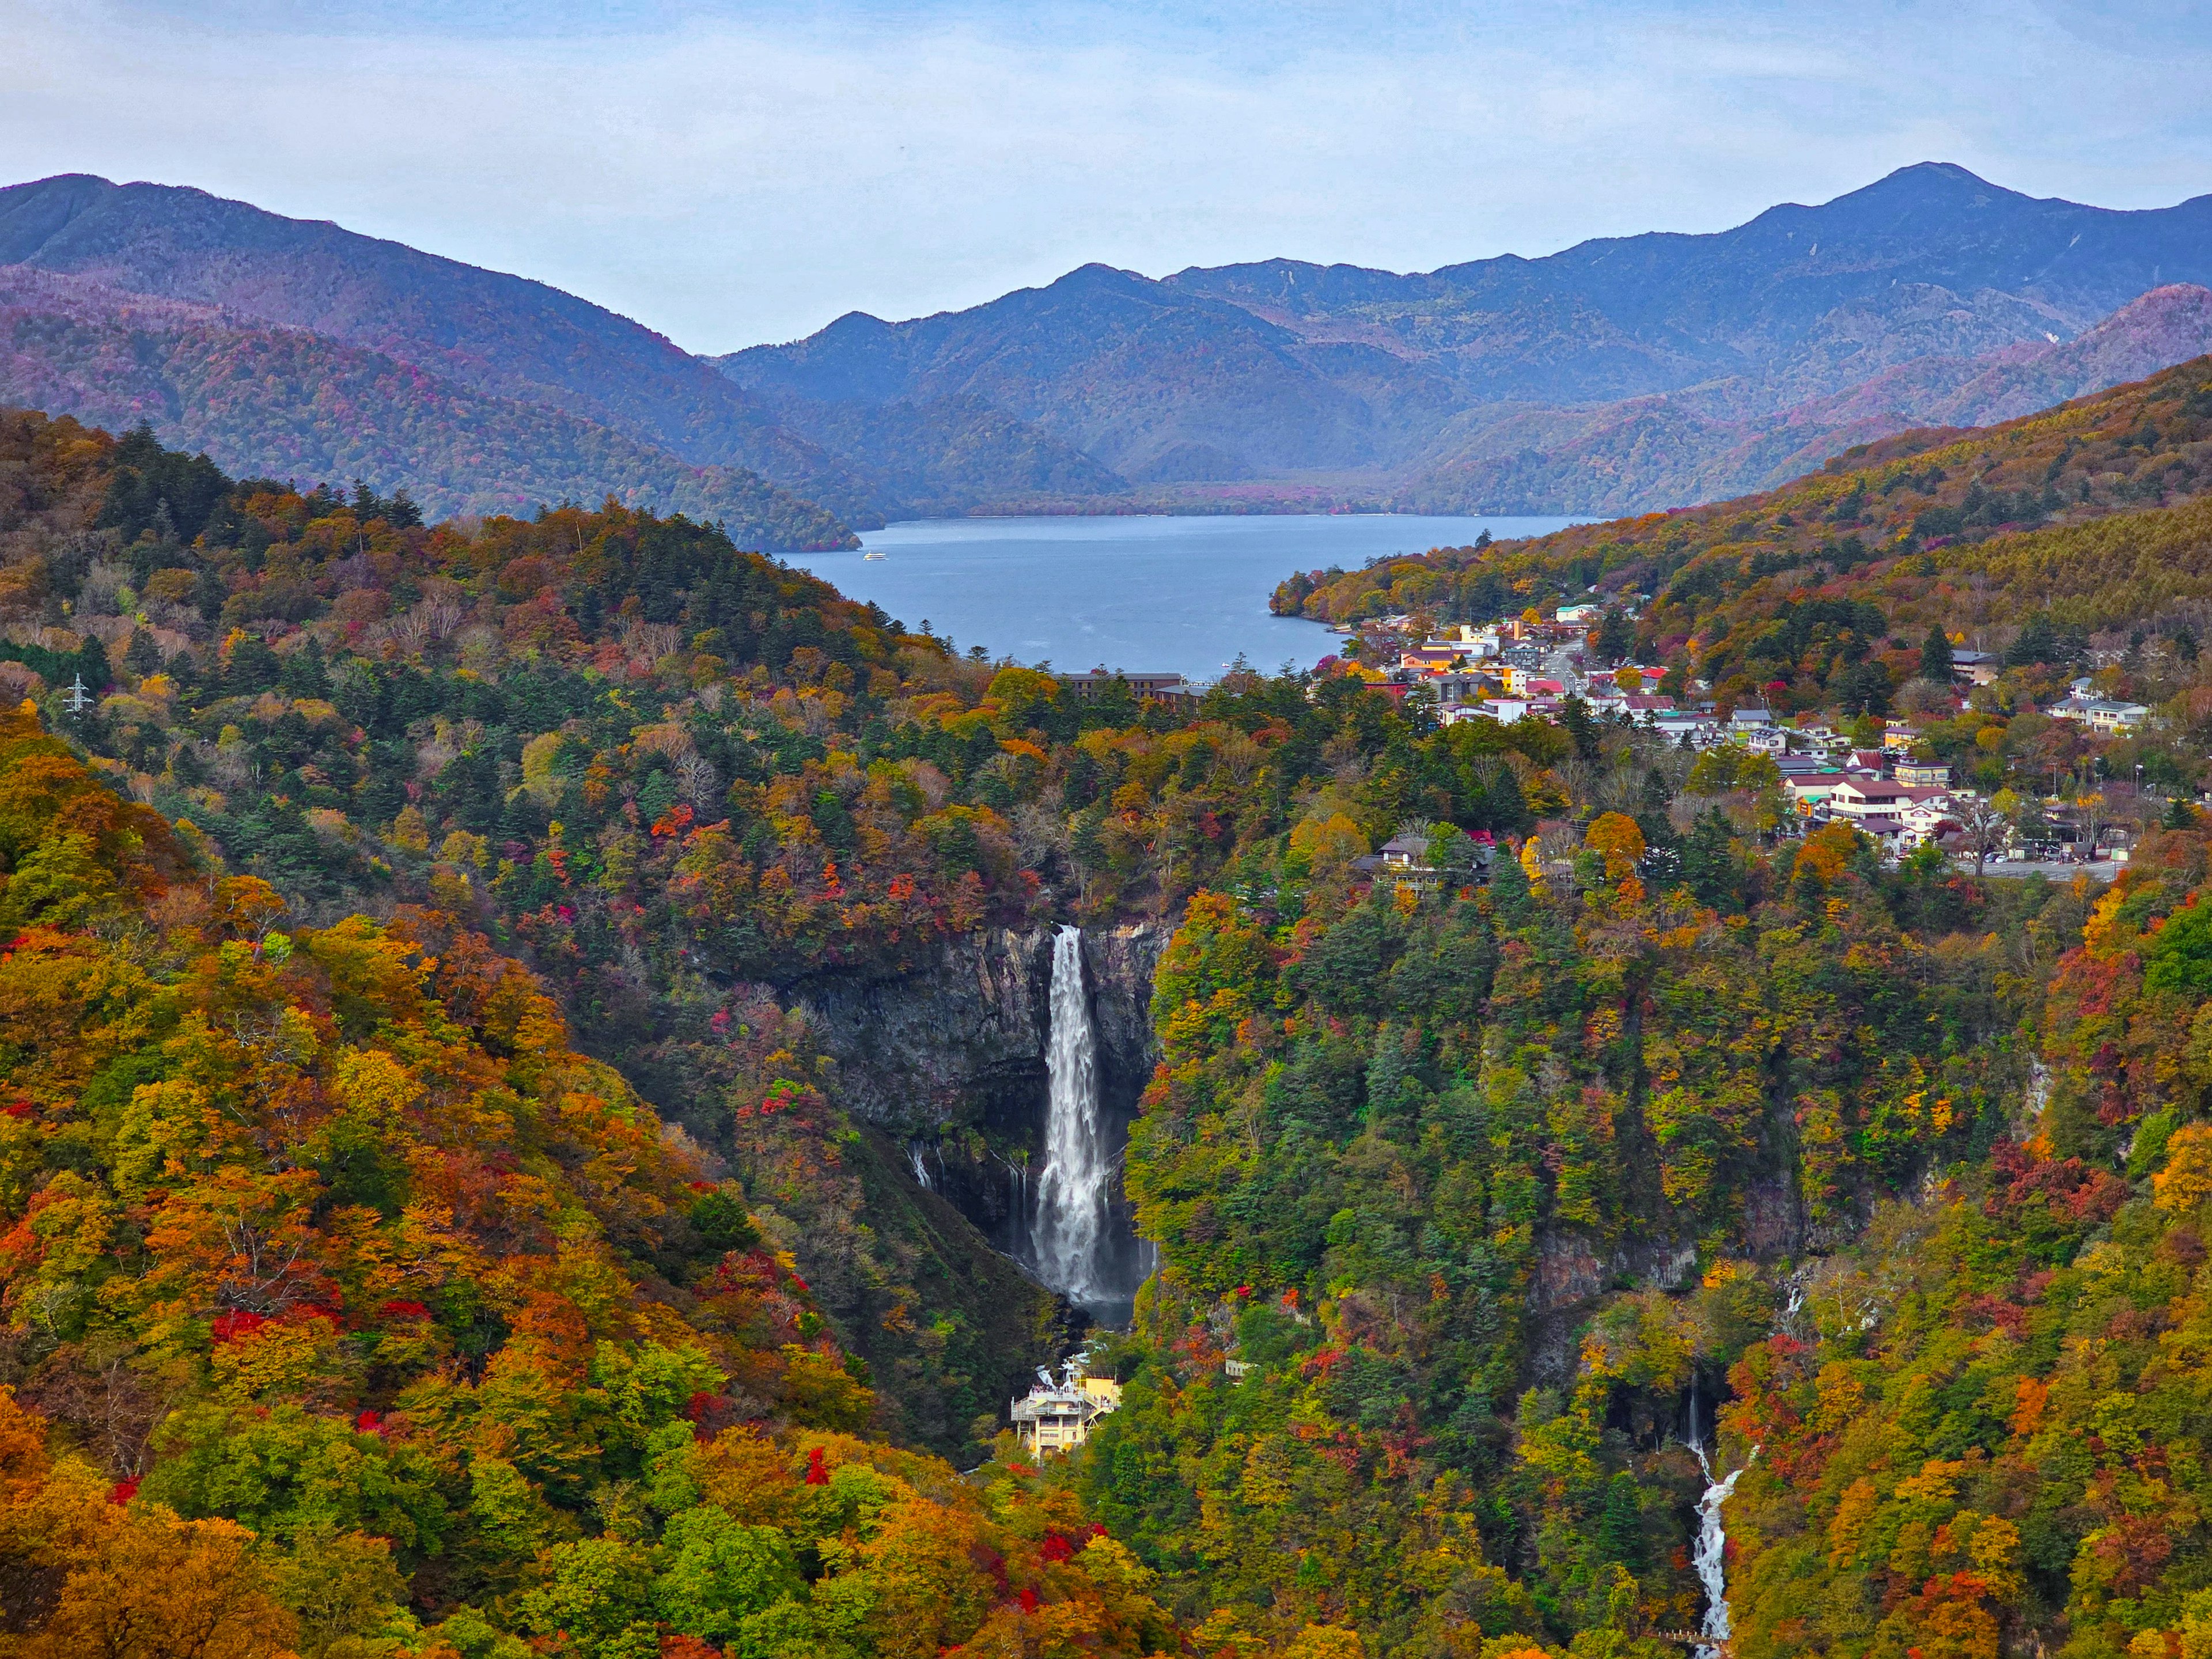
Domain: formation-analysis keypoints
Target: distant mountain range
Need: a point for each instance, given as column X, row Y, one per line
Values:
column 1679, row 448
column 1619, row 375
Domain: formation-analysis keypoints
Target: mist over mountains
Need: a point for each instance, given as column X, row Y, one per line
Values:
column 1619, row 375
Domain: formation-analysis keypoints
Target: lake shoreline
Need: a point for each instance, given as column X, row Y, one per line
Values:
column 1152, row 592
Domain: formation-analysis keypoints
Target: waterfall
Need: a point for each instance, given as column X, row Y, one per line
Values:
column 1710, row 1559
column 1073, row 1189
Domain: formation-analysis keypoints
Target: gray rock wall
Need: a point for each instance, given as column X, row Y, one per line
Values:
column 949, row 1058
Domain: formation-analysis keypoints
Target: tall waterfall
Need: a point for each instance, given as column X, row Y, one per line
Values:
column 1074, row 1187
column 1710, row 1557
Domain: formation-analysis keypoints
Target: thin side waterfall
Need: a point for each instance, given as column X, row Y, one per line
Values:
column 1018, row 1192
column 1075, row 1185
column 1710, row 1558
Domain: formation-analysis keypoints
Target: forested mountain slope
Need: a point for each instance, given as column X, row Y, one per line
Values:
column 1488, row 1192
column 286, row 404
column 1697, row 445
column 1488, row 1202
column 1928, row 259
column 495, row 334
column 353, row 1313
column 548, row 371
column 1616, row 375
column 2089, row 517
column 1133, row 371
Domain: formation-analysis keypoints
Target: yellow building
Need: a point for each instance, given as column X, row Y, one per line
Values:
column 1055, row 1416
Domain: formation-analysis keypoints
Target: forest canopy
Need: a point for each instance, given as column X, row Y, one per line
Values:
column 432, row 1226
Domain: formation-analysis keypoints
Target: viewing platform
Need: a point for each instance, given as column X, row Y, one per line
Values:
column 1056, row 1416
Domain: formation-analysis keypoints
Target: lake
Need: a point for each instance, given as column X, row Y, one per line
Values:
column 1142, row 594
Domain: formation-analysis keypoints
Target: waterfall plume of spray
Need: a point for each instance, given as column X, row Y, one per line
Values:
column 1075, row 1186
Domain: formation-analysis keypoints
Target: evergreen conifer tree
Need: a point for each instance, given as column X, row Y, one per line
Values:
column 1935, row 656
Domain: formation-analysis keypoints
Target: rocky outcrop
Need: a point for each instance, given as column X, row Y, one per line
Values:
column 958, row 1043
column 949, row 1058
column 1121, row 962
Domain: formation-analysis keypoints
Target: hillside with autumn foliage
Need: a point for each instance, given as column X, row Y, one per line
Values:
column 351, row 1311
column 2088, row 518
column 434, row 1221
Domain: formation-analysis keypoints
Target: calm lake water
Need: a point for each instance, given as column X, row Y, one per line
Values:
column 1149, row 594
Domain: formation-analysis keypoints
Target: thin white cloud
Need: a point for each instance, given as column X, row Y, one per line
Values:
column 730, row 179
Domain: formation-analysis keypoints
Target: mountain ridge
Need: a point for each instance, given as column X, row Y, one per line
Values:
column 1689, row 449
column 1754, row 321
column 290, row 403
column 490, row 331
column 1619, row 374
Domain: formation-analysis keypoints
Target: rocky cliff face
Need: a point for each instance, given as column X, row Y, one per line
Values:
column 950, row 1059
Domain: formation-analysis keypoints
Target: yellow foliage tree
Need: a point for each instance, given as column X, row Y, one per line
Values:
column 1617, row 839
column 2186, row 1181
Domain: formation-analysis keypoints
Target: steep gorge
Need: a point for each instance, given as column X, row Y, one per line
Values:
column 948, row 1062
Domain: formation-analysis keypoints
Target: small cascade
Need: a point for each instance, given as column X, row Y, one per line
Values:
column 920, row 1169
column 1070, row 1237
column 1018, row 1211
column 1710, row 1558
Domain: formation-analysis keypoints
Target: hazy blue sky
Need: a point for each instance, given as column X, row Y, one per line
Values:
column 733, row 173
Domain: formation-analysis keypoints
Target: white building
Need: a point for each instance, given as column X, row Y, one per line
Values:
column 1879, row 803
column 2100, row 713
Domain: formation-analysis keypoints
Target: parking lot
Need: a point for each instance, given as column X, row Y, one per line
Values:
column 2103, row 870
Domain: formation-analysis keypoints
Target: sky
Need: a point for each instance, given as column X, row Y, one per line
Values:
column 735, row 173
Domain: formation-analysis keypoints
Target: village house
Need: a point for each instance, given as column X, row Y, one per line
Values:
column 2100, row 713
column 1868, row 802
column 1702, row 730
column 1525, row 682
column 1926, row 821
column 1809, row 790
column 1503, row 710
column 1975, row 667
column 1173, row 689
column 1873, row 803
column 1406, row 852
column 1436, row 657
